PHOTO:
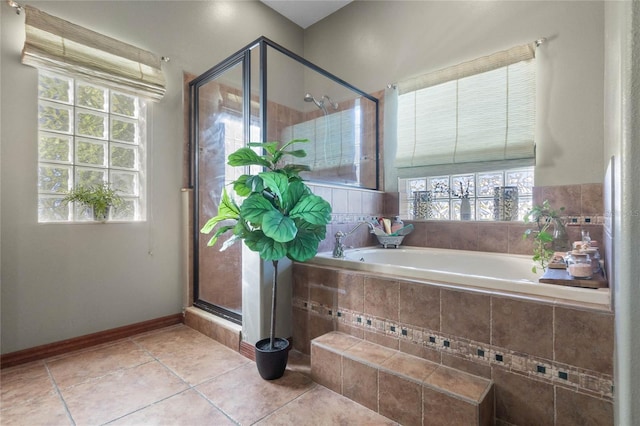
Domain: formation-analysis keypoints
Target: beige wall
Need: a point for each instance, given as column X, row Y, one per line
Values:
column 401, row 39
column 62, row 281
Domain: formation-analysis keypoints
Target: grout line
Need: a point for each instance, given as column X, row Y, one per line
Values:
column 57, row 389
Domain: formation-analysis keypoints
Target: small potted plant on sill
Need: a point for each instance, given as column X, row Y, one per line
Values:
column 280, row 217
column 100, row 198
column 550, row 235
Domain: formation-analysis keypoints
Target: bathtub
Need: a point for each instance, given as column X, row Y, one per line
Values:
column 499, row 272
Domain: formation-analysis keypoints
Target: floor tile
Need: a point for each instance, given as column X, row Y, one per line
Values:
column 25, row 382
column 86, row 365
column 44, row 410
column 121, row 392
column 320, row 406
column 186, row 408
column 174, row 376
column 193, row 356
column 245, row 397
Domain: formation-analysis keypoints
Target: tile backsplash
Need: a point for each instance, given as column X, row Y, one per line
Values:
column 583, row 209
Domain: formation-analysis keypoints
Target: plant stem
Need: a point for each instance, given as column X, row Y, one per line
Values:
column 274, row 296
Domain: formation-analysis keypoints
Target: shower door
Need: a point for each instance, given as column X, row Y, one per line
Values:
column 219, row 125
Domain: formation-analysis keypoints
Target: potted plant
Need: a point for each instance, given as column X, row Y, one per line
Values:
column 100, row 198
column 550, row 235
column 280, row 217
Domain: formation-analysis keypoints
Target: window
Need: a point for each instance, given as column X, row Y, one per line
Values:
column 467, row 132
column 88, row 135
column 442, row 194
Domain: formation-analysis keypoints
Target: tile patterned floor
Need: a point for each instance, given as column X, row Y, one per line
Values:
column 174, row 376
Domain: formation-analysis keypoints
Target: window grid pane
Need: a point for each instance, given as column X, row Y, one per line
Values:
column 446, row 192
column 109, row 126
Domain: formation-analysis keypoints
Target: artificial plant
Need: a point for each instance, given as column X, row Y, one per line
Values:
column 280, row 216
column 549, row 236
column 100, row 198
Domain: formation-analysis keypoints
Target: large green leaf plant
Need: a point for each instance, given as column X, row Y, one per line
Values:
column 279, row 215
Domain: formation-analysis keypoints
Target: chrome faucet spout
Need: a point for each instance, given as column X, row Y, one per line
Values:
column 339, row 247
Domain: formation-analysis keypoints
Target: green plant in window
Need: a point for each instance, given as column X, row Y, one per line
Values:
column 549, row 229
column 99, row 197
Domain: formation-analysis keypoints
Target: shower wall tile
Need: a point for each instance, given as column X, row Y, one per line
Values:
column 464, row 235
column 592, row 199
column 323, row 286
column 542, row 357
column 354, row 200
column 326, row 368
column 417, row 238
column 320, row 325
column 372, row 203
column 516, row 243
column 391, row 203
column 381, row 298
column 300, row 334
column 567, row 196
column 573, row 408
column 465, row 314
column 522, row 326
column 493, row 238
column 521, row 401
column 419, row 305
column 462, row 364
column 387, row 341
column 360, row 383
column 584, row 339
column 440, row 409
column 351, row 291
column 300, row 274
column 421, row 351
column 400, row 399
column 438, row 235
column 340, row 200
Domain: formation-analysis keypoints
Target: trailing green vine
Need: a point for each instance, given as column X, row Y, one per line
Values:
column 546, row 219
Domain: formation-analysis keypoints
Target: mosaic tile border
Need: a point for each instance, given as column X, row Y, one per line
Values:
column 584, row 220
column 587, row 381
column 568, row 220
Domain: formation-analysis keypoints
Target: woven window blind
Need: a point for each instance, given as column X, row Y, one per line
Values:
column 60, row 46
column 480, row 113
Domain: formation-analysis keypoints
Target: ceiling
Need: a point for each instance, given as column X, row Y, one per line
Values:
column 305, row 12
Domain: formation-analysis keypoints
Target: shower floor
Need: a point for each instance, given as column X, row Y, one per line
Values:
column 171, row 376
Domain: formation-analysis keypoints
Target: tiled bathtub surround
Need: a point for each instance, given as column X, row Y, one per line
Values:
column 402, row 387
column 583, row 210
column 539, row 354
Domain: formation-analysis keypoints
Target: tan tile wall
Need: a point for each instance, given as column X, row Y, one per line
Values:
column 584, row 209
column 547, row 361
column 540, row 354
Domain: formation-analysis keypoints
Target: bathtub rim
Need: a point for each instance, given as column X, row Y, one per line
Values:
column 599, row 299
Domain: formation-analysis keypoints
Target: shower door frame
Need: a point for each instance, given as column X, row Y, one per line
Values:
column 242, row 58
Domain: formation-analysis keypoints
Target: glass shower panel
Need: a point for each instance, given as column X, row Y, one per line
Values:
column 220, row 132
column 340, row 124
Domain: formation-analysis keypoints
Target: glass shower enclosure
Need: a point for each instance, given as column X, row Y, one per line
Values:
column 265, row 92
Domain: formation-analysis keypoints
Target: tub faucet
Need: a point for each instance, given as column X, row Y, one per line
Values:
column 339, row 247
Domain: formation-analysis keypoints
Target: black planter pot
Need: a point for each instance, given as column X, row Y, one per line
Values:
column 272, row 363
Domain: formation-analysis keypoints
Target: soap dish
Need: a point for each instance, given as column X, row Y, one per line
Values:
column 387, row 241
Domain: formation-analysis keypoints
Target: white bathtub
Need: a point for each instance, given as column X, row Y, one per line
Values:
column 504, row 273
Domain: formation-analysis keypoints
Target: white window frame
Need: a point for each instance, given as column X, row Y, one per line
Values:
column 128, row 180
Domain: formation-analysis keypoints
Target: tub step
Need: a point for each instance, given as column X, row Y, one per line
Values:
column 404, row 388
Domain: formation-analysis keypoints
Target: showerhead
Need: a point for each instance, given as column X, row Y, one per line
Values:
column 308, row 97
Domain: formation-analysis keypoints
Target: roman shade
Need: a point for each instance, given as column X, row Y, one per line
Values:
column 475, row 116
column 57, row 45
